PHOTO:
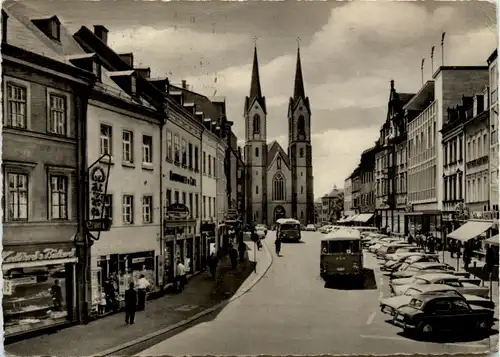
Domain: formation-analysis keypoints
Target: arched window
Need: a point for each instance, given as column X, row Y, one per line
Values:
column 256, row 152
column 278, row 163
column 279, row 187
column 256, row 124
column 301, row 125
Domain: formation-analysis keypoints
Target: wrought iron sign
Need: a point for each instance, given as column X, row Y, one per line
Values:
column 98, row 188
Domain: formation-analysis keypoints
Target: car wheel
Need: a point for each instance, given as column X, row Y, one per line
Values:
column 483, row 325
column 425, row 328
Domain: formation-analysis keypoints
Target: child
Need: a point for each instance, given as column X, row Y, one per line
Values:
column 102, row 303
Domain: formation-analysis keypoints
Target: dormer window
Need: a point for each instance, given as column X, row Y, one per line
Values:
column 50, row 27
column 133, row 85
column 55, row 29
column 96, row 69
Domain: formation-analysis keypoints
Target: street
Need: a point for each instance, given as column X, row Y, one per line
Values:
column 291, row 312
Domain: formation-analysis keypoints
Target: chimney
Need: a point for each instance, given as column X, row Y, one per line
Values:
column 184, row 84
column 143, row 72
column 101, row 32
column 128, row 58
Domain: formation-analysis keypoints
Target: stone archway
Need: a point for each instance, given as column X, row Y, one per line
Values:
column 279, row 212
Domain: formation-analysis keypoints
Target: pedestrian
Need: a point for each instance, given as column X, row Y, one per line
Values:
column 212, row 264
column 181, row 272
column 490, row 261
column 233, row 255
column 430, row 244
column 142, row 286
column 102, row 303
column 130, row 304
column 467, row 256
column 241, row 251
column 410, row 239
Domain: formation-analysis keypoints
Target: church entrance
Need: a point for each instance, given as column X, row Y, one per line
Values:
column 279, row 212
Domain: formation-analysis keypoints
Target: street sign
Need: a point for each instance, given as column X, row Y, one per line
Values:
column 177, row 211
column 99, row 225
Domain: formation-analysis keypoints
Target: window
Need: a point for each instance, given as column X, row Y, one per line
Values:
column 279, row 187
column 213, row 165
column 133, row 85
column 127, row 146
column 209, row 207
column 257, row 190
column 169, row 145
column 108, row 207
column 176, row 197
column 169, row 197
column 209, row 165
column 486, row 144
column 196, row 159
column 278, row 163
column 301, row 190
column 147, row 149
column 301, row 214
column 128, row 209
column 177, row 154
column 184, row 198
column 17, row 196
column 58, row 197
column 204, row 163
column 301, row 152
column 17, row 106
column 204, row 206
column 256, row 124
column 57, row 116
column 106, row 140
column 191, row 213
column 256, row 152
column 301, row 125
column 147, row 209
column 190, row 156
column 196, row 205
column 184, row 153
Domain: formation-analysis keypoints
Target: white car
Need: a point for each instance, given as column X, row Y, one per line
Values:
column 462, row 285
column 420, row 268
column 311, row 228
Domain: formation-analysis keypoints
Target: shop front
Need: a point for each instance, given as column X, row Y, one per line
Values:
column 115, row 272
column 39, row 289
column 423, row 223
column 180, row 240
column 208, row 240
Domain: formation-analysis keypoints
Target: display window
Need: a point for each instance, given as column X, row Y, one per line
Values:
column 36, row 297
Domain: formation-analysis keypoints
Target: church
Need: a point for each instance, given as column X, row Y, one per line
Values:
column 279, row 183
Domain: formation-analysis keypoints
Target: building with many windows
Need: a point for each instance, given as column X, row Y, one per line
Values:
column 493, row 133
column 367, row 190
column 43, row 112
column 348, row 203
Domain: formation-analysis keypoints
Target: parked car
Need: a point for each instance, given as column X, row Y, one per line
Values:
column 390, row 249
column 429, row 314
column 419, row 269
column 311, row 228
column 325, row 229
column 389, row 305
column 460, row 284
column 379, row 243
column 407, row 260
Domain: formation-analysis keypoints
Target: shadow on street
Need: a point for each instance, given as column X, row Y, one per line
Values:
column 365, row 282
column 451, row 337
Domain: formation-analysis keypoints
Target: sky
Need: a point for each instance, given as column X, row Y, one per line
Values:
column 350, row 52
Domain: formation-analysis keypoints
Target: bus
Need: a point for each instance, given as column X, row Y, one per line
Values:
column 342, row 254
column 288, row 229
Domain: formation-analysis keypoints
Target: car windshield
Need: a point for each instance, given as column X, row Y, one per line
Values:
column 288, row 227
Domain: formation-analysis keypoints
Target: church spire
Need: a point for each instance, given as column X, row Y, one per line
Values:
column 298, row 91
column 255, row 91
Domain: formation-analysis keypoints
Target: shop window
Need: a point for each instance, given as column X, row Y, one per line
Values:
column 127, row 146
column 147, row 209
column 36, row 297
column 58, row 197
column 147, row 149
column 128, row 209
column 17, row 196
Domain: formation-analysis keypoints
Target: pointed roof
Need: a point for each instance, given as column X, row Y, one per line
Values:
column 255, row 89
column 276, row 149
column 298, row 91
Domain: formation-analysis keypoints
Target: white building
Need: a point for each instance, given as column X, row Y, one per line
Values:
column 348, row 204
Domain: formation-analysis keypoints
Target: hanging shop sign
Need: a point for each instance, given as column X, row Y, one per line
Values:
column 182, row 179
column 177, row 211
column 44, row 254
column 98, row 190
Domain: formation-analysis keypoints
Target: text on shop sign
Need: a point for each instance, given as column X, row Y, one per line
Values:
column 182, row 179
column 46, row 254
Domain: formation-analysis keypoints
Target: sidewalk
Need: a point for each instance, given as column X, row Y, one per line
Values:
column 201, row 293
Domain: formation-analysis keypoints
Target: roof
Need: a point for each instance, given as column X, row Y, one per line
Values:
column 344, row 234
column 275, row 149
column 298, row 89
column 202, row 102
column 23, row 33
column 255, row 88
column 287, row 221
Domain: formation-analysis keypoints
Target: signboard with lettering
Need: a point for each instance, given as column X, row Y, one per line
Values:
column 95, row 225
column 97, row 195
column 182, row 179
column 177, row 211
column 12, row 256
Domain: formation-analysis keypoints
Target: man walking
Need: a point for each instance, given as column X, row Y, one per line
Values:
column 130, row 304
column 142, row 286
column 181, row 275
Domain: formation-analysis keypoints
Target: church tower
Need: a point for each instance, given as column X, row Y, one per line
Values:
column 300, row 150
column 256, row 149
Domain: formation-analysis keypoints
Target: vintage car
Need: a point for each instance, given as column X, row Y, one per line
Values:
column 311, row 228
column 464, row 286
column 406, row 260
column 390, row 249
column 390, row 304
column 419, row 269
column 429, row 314
column 379, row 243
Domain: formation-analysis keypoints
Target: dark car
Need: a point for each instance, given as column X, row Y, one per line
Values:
column 429, row 314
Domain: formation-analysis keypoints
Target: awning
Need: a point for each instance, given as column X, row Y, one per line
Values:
column 351, row 219
column 364, row 217
column 342, row 220
column 471, row 229
column 493, row 241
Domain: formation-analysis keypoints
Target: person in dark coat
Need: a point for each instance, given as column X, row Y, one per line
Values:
column 233, row 255
column 130, row 304
column 490, row 260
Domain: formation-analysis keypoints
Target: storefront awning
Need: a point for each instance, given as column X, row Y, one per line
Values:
column 493, row 241
column 470, row 230
column 364, row 217
column 351, row 219
column 342, row 220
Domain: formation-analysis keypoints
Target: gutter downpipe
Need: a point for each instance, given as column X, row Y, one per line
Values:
column 201, row 207
column 162, row 214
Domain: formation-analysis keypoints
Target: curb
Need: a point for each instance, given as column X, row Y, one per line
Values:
column 199, row 315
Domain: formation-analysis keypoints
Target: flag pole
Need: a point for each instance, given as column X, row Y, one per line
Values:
column 422, row 70
column 442, row 48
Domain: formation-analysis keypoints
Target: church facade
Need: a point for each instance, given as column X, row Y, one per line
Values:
column 279, row 183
